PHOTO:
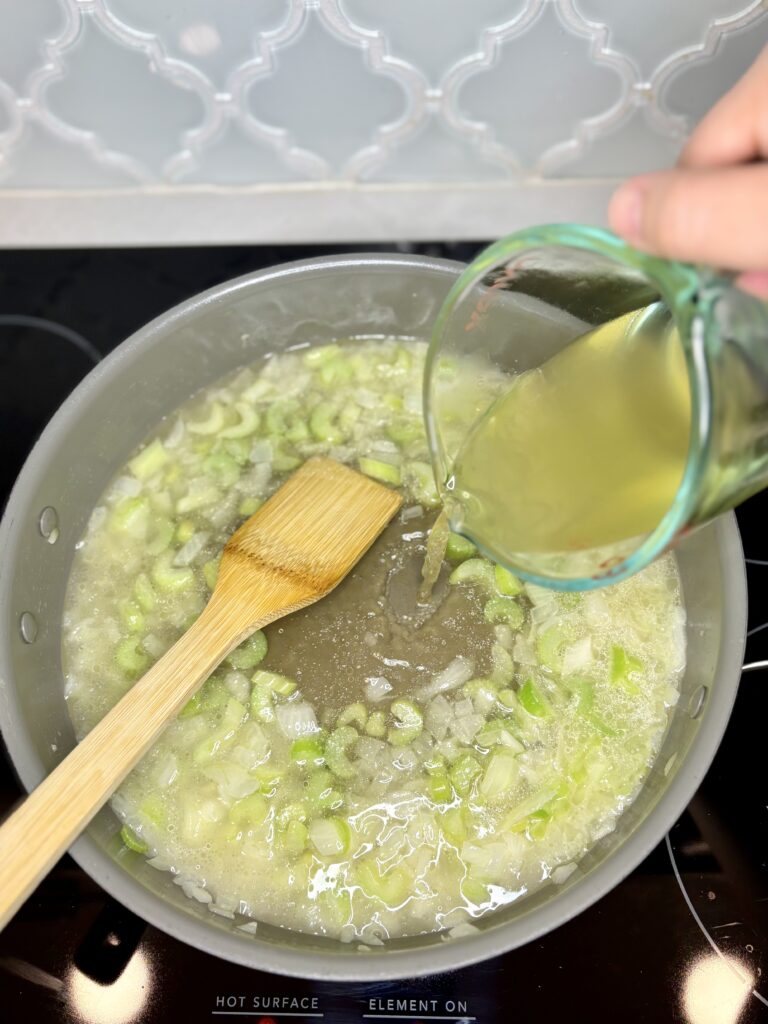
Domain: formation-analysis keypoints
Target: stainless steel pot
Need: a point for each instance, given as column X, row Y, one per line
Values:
column 91, row 436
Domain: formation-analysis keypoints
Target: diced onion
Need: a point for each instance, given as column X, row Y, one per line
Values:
column 296, row 720
column 577, row 656
column 458, row 672
column 188, row 552
column 377, row 688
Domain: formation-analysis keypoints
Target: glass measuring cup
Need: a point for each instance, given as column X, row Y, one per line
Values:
column 525, row 301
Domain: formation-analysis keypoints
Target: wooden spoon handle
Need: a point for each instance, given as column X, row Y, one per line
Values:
column 50, row 819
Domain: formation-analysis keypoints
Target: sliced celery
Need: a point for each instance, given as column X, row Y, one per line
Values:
column 404, row 432
column 384, row 471
column 421, row 482
column 198, row 500
column 250, row 652
column 131, row 516
column 376, row 725
column 506, row 584
column 281, row 685
column 354, row 714
column 409, row 722
column 324, row 424
column 331, row 837
column 454, row 826
column 321, row 354
column 507, row 700
column 223, row 467
column 248, row 506
column 153, row 810
column 307, row 750
column 261, row 703
column 503, row 609
column 132, row 616
column 501, row 774
column 250, row 812
column 149, row 460
column 336, row 371
column 464, row 771
column 249, row 422
column 184, row 531
column 549, row 647
column 336, row 748
column 192, row 707
column 132, row 841
column 169, row 579
column 474, row 571
column 212, row 424
column 439, row 788
column 532, row 700
column 474, row 892
column 392, row 887
column 211, row 572
column 533, row 803
column 320, row 792
column 144, row 593
column 459, row 549
column 584, row 690
column 130, row 658
column 294, row 838
column 622, row 664
column 284, row 462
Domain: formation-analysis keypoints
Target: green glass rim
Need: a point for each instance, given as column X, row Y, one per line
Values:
column 687, row 292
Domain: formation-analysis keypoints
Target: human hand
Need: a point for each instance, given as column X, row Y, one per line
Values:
column 713, row 207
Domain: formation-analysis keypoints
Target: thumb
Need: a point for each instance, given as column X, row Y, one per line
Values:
column 717, row 216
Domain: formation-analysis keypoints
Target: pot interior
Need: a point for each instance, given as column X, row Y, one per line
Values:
column 91, row 437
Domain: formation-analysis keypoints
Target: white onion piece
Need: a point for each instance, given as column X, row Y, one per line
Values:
column 559, row 875
column 377, row 688
column 188, row 552
column 97, row 518
column 458, row 672
column 413, row 402
column 367, row 399
column 296, row 720
column 577, row 656
column 261, row 452
column 239, row 685
column 126, row 487
column 438, row 717
column 175, row 435
column 154, row 646
column 677, row 640
column 466, row 726
column 539, row 595
column 504, row 636
column 459, row 931
column 250, row 928
column 412, row 512
column 167, row 770
column 523, row 651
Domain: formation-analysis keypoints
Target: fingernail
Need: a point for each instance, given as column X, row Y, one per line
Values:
column 755, row 282
column 626, row 212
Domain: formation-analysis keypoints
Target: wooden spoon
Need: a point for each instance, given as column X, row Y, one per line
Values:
column 293, row 551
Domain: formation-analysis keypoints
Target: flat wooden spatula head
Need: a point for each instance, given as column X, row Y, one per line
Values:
column 304, row 540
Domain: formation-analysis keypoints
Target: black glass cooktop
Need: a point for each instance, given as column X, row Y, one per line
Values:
column 684, row 938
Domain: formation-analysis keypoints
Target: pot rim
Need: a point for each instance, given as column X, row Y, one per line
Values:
column 346, row 964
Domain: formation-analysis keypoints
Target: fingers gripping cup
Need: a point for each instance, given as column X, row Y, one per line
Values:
column 588, row 404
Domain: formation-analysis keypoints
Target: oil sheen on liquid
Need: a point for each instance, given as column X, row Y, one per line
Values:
column 585, row 451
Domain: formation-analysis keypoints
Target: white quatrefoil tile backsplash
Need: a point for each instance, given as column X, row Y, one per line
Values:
column 144, row 100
